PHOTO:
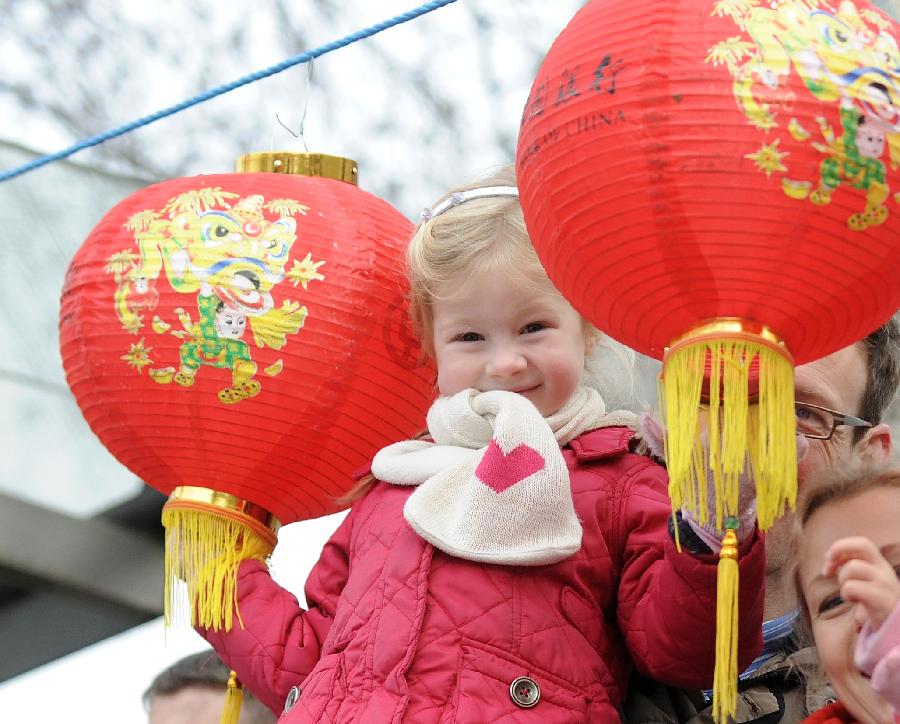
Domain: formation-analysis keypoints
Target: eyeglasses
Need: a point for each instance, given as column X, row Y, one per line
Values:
column 819, row 423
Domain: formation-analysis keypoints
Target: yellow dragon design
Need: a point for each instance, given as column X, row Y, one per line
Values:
column 843, row 55
column 230, row 253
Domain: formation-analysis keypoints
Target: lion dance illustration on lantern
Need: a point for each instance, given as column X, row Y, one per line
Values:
column 223, row 251
column 845, row 55
column 715, row 184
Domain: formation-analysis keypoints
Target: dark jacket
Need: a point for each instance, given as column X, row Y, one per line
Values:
column 784, row 690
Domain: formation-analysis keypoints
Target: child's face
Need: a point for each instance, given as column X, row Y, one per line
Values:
column 874, row 514
column 870, row 141
column 230, row 323
column 492, row 333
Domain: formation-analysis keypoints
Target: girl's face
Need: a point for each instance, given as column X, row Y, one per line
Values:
column 874, row 514
column 493, row 333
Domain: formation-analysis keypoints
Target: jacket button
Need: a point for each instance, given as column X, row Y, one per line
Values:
column 525, row 692
column 291, row 699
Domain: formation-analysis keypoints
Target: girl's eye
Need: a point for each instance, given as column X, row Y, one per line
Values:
column 533, row 327
column 468, row 337
column 829, row 603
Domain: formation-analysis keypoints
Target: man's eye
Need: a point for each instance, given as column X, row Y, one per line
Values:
column 533, row 327
column 811, row 420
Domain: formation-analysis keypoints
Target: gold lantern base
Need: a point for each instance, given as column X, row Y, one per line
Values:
column 208, row 534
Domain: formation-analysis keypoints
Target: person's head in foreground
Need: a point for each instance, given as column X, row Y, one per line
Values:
column 846, row 553
column 192, row 691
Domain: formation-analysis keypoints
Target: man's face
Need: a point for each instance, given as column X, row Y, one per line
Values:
column 837, row 382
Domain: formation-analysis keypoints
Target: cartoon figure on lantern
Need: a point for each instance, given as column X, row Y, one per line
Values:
column 231, row 256
column 845, row 56
column 855, row 160
column 215, row 340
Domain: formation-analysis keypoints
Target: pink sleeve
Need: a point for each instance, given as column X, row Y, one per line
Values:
column 280, row 643
column 878, row 654
column 667, row 599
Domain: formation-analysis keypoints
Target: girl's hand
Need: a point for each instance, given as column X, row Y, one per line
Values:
column 865, row 578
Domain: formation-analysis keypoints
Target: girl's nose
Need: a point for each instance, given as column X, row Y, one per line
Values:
column 506, row 362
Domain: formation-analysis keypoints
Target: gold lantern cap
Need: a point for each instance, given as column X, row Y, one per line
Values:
column 299, row 164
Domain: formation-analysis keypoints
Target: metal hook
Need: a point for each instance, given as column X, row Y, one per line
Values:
column 299, row 133
column 285, row 126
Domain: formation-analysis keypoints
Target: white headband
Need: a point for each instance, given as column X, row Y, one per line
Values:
column 459, row 197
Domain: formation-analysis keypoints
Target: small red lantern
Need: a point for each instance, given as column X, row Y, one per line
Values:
column 715, row 183
column 240, row 342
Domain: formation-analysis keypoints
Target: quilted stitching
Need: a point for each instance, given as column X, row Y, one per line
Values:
column 401, row 616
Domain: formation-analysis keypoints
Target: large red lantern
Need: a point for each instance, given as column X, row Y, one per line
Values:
column 240, row 342
column 715, row 183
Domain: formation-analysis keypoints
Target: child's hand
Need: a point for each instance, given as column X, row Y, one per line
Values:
column 865, row 578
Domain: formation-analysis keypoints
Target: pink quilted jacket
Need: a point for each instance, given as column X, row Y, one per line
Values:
column 399, row 631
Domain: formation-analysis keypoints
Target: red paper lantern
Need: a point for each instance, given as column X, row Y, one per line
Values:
column 680, row 162
column 240, row 341
column 715, row 183
column 699, row 171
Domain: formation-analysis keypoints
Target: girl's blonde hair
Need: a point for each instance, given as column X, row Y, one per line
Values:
column 477, row 235
column 489, row 235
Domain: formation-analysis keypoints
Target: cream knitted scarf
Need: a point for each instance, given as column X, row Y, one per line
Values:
column 493, row 486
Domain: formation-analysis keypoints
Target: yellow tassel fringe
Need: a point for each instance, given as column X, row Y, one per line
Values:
column 726, row 673
column 740, row 434
column 203, row 550
column 743, row 436
column 234, row 697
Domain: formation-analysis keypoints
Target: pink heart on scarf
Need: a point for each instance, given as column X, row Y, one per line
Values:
column 499, row 470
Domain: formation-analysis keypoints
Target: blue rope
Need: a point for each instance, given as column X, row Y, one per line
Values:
column 222, row 89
